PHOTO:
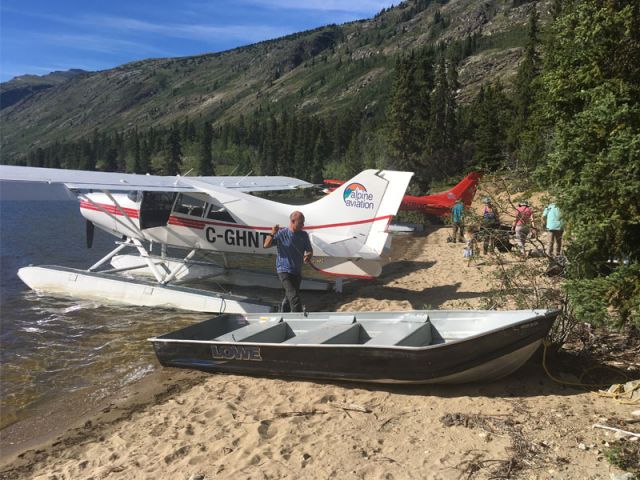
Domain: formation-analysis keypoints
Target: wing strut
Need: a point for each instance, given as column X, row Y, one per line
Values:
column 179, row 267
column 108, row 256
column 145, row 255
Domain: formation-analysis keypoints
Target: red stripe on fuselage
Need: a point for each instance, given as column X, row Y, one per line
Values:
column 102, row 207
column 200, row 224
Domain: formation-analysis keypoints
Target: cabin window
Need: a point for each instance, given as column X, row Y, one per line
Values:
column 219, row 213
column 135, row 196
column 155, row 209
column 188, row 205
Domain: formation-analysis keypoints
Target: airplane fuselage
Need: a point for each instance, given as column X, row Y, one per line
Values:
column 185, row 230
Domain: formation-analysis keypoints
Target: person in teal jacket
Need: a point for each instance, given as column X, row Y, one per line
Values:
column 457, row 220
column 555, row 226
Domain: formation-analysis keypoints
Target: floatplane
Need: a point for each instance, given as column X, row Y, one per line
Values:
column 347, row 228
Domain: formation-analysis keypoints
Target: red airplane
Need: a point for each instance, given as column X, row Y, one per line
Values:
column 438, row 204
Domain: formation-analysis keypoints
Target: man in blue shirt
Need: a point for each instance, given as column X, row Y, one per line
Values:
column 294, row 249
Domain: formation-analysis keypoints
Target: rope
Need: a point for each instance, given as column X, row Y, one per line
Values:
column 546, row 344
column 621, row 395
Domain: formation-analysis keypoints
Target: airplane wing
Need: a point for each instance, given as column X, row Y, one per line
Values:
column 87, row 180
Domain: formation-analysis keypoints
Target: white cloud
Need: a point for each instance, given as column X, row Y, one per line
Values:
column 99, row 43
column 247, row 33
column 364, row 7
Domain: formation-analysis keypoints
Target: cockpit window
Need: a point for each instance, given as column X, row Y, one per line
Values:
column 135, row 196
column 155, row 209
column 219, row 213
column 189, row 205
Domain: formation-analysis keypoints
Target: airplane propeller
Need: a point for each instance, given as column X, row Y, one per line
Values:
column 90, row 229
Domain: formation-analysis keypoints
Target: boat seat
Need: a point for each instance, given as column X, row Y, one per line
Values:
column 267, row 332
column 415, row 317
column 304, row 325
column 401, row 334
column 338, row 333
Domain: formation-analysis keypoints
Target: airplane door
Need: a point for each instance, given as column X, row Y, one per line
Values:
column 155, row 209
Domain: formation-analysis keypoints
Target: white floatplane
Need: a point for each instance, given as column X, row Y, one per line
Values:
column 348, row 232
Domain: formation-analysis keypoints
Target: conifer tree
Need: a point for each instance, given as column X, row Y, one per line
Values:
column 321, row 151
column 403, row 126
column 441, row 115
column 205, row 154
column 526, row 131
column 173, row 152
column 268, row 153
column 145, row 157
column 87, row 157
column 490, row 111
column 592, row 94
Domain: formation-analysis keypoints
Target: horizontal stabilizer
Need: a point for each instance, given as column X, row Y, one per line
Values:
column 342, row 267
column 345, row 246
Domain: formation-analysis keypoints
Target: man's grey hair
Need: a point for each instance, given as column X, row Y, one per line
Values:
column 293, row 215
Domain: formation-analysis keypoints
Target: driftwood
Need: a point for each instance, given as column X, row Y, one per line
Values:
column 606, row 427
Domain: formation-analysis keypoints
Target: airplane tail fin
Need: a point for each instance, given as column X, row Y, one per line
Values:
column 351, row 221
column 467, row 187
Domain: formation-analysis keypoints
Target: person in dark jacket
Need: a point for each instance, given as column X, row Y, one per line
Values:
column 490, row 225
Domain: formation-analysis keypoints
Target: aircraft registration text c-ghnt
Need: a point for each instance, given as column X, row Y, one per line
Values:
column 236, row 237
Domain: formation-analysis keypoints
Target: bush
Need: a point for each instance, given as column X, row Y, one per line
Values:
column 612, row 300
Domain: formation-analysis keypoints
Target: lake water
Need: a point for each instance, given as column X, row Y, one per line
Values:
column 51, row 347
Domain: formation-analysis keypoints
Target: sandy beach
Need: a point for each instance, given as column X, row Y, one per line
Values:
column 190, row 425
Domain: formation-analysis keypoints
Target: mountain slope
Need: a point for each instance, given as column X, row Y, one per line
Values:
column 318, row 71
column 22, row 87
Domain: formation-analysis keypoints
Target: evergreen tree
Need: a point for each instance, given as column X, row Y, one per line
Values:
column 353, row 158
column 173, row 152
column 111, row 160
column 525, row 133
column 490, row 111
column 321, row 151
column 441, row 157
column 145, row 157
column 132, row 152
column 205, row 154
column 591, row 74
column 425, row 83
column 441, row 130
column 268, row 153
column 87, row 157
column 404, row 131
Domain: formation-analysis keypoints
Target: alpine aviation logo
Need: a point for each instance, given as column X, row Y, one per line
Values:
column 356, row 196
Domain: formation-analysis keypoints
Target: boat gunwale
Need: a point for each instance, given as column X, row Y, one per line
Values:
column 544, row 316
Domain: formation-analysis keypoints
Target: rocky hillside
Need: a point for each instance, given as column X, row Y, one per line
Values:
column 318, row 71
column 24, row 86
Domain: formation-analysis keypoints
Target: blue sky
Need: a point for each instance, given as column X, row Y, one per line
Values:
column 38, row 36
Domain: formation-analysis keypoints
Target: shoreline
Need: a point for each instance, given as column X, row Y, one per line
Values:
column 60, row 418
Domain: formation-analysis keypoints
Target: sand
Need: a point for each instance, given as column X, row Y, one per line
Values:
column 189, row 425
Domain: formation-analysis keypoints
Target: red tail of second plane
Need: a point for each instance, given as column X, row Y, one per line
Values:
column 438, row 204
